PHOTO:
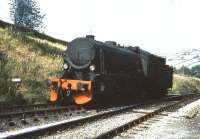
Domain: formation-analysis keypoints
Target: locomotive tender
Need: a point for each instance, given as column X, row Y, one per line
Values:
column 95, row 70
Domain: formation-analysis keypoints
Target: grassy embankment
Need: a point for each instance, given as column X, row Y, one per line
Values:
column 34, row 61
column 184, row 85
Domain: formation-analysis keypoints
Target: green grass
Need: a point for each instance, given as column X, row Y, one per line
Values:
column 31, row 59
column 184, row 85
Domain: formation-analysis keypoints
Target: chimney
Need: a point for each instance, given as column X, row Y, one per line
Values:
column 90, row 36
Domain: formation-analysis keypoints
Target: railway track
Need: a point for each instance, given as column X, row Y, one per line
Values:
column 23, row 111
column 127, row 130
column 101, row 128
column 4, row 109
column 123, row 128
column 43, row 111
column 16, row 120
column 64, row 125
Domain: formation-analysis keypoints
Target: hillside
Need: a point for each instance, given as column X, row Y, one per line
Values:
column 33, row 60
column 43, row 36
column 188, row 58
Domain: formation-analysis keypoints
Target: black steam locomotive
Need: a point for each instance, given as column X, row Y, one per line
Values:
column 95, row 70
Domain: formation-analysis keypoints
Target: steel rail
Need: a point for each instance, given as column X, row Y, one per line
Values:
column 23, row 107
column 38, row 111
column 52, row 128
column 113, row 132
column 62, row 125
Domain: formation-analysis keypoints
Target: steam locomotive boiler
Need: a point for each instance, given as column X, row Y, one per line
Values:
column 95, row 70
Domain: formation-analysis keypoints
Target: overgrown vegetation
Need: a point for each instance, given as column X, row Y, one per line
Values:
column 31, row 59
column 184, row 85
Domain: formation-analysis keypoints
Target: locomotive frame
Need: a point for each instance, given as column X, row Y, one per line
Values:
column 98, row 71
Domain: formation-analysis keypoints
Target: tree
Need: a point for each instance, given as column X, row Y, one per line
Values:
column 26, row 16
column 196, row 71
column 184, row 70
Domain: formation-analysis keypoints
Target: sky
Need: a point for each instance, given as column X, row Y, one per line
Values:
column 158, row 26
